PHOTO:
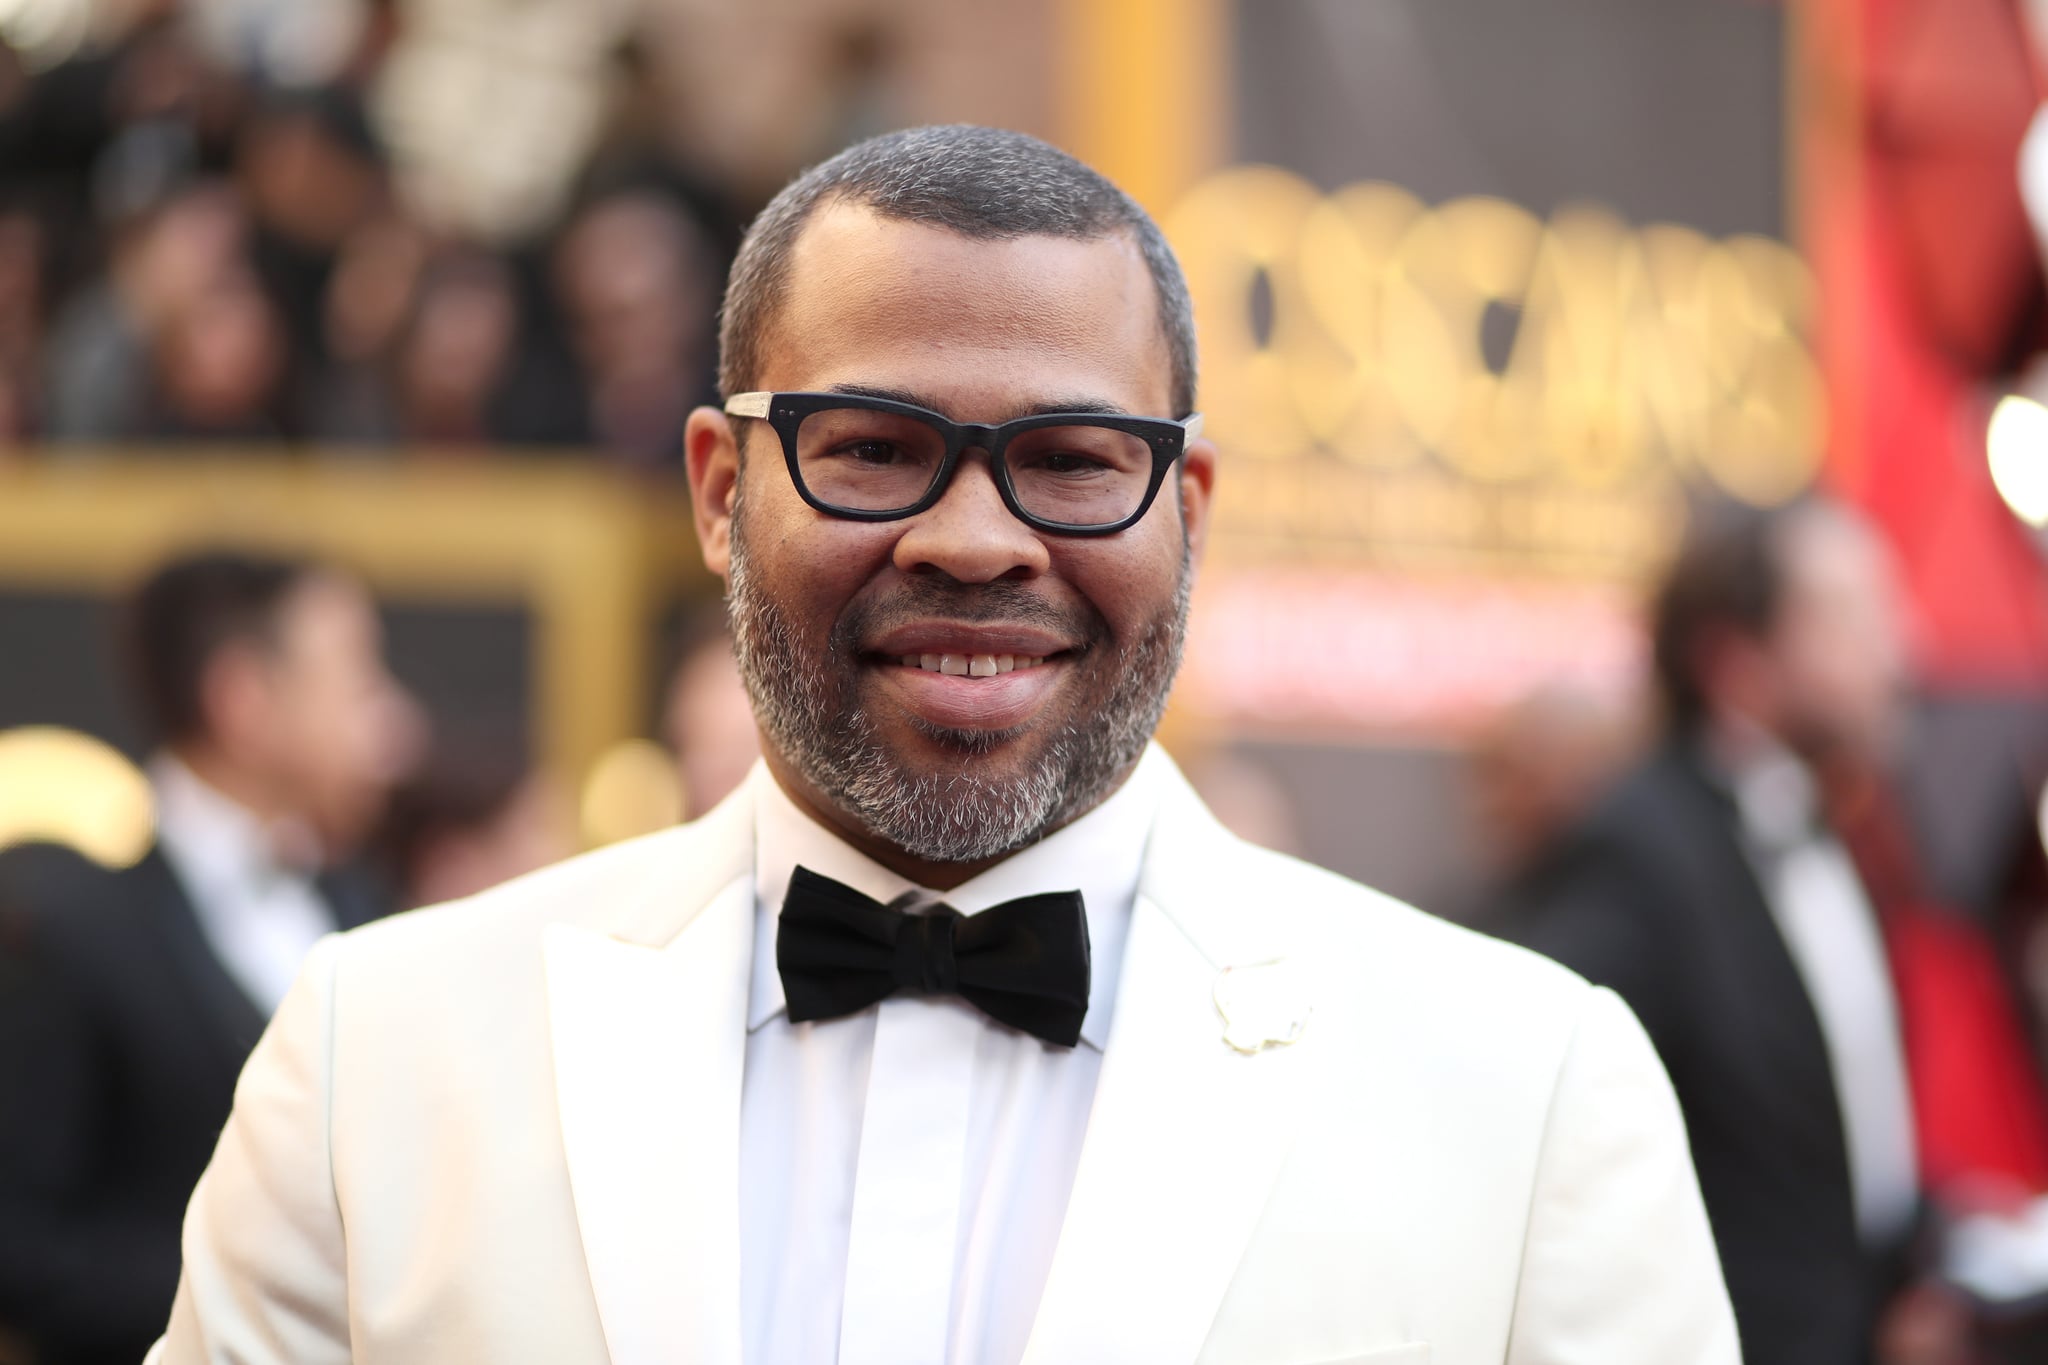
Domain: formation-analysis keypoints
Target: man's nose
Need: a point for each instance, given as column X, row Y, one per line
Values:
column 969, row 534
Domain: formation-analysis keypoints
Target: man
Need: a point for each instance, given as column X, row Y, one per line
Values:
column 1532, row 775
column 1709, row 891
column 1146, row 1093
column 129, row 1000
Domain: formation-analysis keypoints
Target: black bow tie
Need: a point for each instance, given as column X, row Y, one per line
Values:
column 1024, row 962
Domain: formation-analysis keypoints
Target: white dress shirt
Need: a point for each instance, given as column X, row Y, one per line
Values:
column 904, row 1171
column 1831, row 932
column 259, row 915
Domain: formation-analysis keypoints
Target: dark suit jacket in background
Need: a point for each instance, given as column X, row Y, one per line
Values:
column 121, row 1035
column 1654, row 897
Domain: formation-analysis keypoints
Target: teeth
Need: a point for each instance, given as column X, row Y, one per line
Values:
column 970, row 665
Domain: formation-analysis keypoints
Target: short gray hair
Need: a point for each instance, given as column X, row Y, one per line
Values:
column 979, row 182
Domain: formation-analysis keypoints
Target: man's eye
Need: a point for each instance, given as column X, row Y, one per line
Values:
column 872, row 452
column 1068, row 463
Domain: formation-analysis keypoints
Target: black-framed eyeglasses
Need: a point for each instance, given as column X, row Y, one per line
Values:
column 874, row 459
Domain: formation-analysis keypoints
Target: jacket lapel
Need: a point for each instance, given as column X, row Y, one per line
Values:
column 649, row 1034
column 234, row 1018
column 1187, row 1136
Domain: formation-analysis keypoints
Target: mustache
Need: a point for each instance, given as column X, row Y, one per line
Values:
column 1004, row 600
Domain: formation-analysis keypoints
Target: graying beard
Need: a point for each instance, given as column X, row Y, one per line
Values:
column 961, row 817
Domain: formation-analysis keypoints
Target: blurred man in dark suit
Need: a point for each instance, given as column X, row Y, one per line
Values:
column 1709, row 891
column 130, row 999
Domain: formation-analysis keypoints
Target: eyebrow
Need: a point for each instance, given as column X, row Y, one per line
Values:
column 1091, row 406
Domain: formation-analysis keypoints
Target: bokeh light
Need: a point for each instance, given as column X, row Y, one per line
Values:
column 632, row 790
column 2017, row 443
column 60, row 786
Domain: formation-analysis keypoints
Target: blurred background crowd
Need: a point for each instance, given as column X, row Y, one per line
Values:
column 204, row 237
column 1630, row 535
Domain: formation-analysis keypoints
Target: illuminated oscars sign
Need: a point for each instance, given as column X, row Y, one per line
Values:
column 1457, row 438
column 1467, row 385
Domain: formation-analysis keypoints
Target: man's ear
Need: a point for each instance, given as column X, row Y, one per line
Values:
column 1735, row 673
column 234, row 696
column 1197, row 482
column 711, row 456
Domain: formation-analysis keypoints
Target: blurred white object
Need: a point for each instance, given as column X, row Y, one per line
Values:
column 2033, row 170
column 2017, row 445
column 44, row 33
column 2000, row 1259
column 290, row 42
column 490, row 109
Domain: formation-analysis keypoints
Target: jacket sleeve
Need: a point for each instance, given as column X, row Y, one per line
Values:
column 1618, row 1266
column 78, row 1275
column 1598, row 916
column 265, row 1278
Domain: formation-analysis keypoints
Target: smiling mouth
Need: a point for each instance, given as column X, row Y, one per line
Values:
column 971, row 665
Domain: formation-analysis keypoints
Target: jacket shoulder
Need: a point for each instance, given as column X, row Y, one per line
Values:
column 1243, row 903
column 1417, row 1005
column 55, row 900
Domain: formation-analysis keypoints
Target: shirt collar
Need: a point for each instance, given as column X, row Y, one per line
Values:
column 213, row 840
column 1776, row 797
column 1101, row 855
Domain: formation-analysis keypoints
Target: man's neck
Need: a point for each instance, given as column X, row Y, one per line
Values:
column 284, row 823
column 932, row 876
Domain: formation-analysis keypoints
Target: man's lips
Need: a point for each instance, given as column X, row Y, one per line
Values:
column 947, row 637
column 964, row 701
column 969, row 678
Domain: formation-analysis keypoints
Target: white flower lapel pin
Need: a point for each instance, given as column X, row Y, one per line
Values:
column 1263, row 1004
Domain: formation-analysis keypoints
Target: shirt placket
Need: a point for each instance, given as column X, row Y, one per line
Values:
column 907, row 1186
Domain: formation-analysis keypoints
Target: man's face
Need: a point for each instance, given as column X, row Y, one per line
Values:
column 1836, row 647
column 336, row 731
column 952, row 768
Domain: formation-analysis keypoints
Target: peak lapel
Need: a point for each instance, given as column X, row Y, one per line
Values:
column 1186, row 1137
column 649, row 1040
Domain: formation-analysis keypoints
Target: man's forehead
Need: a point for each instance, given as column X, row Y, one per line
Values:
column 865, row 290
column 845, row 247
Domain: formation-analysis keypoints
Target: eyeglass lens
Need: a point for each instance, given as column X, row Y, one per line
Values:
column 868, row 461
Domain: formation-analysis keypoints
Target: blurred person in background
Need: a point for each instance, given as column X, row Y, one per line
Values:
column 441, row 346
column 130, row 999
column 637, row 151
column 22, row 257
column 97, row 138
column 455, row 356
column 311, row 175
column 464, row 824
column 366, row 309
column 708, row 722
column 633, row 277
column 166, row 262
column 218, row 367
column 1709, row 890
column 1534, row 771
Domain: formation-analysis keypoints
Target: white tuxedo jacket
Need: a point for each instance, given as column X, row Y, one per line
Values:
column 507, row 1131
